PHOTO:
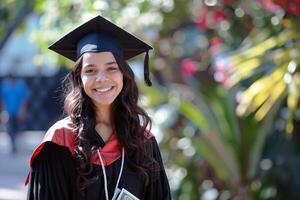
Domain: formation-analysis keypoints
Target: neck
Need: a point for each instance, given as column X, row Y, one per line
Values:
column 103, row 122
column 103, row 115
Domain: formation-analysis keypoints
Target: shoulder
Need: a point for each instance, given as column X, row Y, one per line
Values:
column 148, row 135
column 151, row 146
column 156, row 166
column 56, row 147
column 62, row 134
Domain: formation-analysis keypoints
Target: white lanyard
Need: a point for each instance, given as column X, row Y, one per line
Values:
column 104, row 173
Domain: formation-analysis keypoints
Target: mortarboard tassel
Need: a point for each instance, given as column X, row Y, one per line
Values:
column 146, row 69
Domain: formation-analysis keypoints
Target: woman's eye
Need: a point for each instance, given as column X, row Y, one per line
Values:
column 89, row 71
column 112, row 69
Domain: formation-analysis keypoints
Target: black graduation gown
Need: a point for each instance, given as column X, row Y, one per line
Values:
column 53, row 176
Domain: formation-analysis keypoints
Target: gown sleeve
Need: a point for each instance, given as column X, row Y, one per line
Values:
column 53, row 175
column 158, row 187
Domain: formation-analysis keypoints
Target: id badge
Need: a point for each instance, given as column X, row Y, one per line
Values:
column 125, row 195
column 117, row 192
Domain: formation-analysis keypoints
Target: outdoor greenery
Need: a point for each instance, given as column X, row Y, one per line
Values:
column 225, row 101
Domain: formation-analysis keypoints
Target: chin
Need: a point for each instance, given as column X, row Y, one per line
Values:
column 104, row 102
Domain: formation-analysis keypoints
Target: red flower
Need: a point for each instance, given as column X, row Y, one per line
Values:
column 201, row 21
column 215, row 45
column 219, row 16
column 188, row 67
column 290, row 6
column 209, row 18
column 269, row 5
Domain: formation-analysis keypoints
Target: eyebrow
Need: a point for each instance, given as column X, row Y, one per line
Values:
column 88, row 65
column 111, row 63
column 93, row 65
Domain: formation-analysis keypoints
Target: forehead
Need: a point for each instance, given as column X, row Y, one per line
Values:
column 92, row 57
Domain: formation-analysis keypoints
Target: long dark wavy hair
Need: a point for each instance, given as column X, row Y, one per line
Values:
column 129, row 124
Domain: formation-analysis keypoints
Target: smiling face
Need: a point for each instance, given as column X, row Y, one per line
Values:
column 101, row 77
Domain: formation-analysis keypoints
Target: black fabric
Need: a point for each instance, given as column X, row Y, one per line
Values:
column 97, row 140
column 53, row 176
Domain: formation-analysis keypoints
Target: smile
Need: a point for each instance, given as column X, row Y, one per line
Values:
column 103, row 90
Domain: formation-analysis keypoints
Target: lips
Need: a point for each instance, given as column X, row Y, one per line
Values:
column 104, row 89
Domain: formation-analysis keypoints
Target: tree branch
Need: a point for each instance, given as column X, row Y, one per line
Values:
column 24, row 11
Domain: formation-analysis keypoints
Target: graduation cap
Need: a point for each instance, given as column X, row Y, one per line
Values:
column 98, row 35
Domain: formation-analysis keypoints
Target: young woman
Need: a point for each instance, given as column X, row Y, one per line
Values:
column 102, row 149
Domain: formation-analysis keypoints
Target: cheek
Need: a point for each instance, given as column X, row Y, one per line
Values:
column 85, row 83
column 121, row 81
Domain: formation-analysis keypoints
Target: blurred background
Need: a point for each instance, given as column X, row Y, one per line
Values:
column 225, row 100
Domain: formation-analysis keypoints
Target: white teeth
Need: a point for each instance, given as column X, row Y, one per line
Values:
column 103, row 89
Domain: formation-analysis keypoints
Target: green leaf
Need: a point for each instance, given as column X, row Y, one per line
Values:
column 204, row 148
column 191, row 112
column 154, row 96
column 216, row 145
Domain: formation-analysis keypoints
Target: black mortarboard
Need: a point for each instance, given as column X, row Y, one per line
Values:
column 99, row 34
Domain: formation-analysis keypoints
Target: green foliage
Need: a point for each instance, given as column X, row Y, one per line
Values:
column 279, row 52
column 226, row 129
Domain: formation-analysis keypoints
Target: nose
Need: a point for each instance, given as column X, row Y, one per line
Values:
column 100, row 76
